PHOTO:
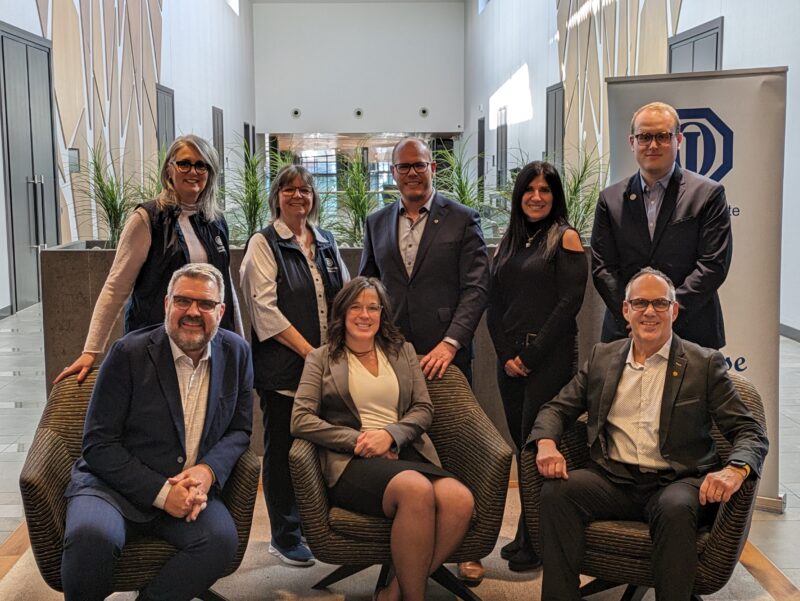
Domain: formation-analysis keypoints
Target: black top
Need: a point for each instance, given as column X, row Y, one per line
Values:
column 169, row 252
column 276, row 366
column 533, row 295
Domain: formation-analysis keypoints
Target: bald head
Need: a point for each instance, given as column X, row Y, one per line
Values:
column 418, row 144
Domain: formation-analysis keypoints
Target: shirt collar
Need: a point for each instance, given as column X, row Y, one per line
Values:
column 177, row 353
column 663, row 352
column 664, row 181
column 284, row 232
column 427, row 206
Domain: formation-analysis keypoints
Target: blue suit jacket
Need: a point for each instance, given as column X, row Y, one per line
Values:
column 134, row 433
column 449, row 285
column 692, row 244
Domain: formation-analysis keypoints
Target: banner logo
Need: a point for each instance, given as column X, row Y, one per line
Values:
column 708, row 143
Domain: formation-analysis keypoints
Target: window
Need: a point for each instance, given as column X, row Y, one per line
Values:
column 554, row 149
column 481, row 5
column 698, row 49
column 502, row 146
column 165, row 115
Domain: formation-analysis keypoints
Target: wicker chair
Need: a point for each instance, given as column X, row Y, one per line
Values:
column 469, row 446
column 46, row 473
column 618, row 552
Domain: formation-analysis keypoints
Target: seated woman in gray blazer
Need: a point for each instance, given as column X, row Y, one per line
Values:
column 362, row 399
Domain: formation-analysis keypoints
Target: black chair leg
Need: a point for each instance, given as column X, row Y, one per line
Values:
column 598, row 586
column 449, row 581
column 210, row 595
column 338, row 574
column 634, row 593
column 696, row 598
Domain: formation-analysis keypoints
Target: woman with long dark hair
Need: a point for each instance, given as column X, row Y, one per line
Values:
column 538, row 281
column 363, row 400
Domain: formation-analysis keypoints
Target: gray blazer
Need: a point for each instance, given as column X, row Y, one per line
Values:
column 325, row 414
column 697, row 390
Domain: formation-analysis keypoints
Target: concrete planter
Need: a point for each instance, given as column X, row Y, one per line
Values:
column 73, row 275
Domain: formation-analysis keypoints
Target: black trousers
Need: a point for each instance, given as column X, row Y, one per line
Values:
column 278, row 490
column 520, row 413
column 673, row 512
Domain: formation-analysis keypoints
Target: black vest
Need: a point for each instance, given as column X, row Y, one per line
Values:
column 276, row 366
column 168, row 252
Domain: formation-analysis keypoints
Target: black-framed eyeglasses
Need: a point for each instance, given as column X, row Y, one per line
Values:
column 641, row 304
column 404, row 168
column 203, row 304
column 304, row 191
column 184, row 166
column 661, row 138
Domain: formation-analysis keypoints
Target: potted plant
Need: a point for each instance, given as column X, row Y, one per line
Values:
column 248, row 194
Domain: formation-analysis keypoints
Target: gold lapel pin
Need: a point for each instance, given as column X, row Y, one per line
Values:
column 675, row 373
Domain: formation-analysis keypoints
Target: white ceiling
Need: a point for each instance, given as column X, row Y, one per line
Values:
column 343, row 1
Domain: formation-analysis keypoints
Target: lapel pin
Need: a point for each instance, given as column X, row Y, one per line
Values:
column 632, row 197
column 436, row 221
column 675, row 373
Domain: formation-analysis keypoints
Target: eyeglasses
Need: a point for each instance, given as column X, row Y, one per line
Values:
column 304, row 191
column 203, row 304
column 641, row 304
column 404, row 168
column 357, row 308
column 661, row 138
column 200, row 167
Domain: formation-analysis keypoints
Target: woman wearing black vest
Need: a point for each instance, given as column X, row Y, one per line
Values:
column 182, row 225
column 538, row 280
column 290, row 274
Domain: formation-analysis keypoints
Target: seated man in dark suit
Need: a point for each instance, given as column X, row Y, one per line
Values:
column 170, row 414
column 651, row 400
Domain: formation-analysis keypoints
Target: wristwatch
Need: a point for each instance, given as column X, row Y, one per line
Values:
column 740, row 465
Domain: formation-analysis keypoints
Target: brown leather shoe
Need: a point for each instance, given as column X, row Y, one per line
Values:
column 471, row 572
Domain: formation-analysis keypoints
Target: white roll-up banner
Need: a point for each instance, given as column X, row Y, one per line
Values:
column 733, row 125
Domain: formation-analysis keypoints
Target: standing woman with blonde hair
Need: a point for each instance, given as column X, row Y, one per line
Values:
column 181, row 225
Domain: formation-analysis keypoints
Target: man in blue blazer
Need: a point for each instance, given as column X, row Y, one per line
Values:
column 668, row 218
column 170, row 414
column 430, row 254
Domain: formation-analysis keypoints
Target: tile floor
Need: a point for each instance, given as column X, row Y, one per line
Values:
column 22, row 398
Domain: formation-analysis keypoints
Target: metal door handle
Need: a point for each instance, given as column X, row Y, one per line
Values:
column 35, row 221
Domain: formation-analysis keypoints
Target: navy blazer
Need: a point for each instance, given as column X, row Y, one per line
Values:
column 692, row 244
column 134, row 433
column 449, row 285
column 697, row 389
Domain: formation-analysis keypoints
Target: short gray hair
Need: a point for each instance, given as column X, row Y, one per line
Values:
column 654, row 272
column 207, row 200
column 200, row 271
column 286, row 176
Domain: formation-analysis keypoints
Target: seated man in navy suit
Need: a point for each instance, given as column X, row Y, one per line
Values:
column 170, row 414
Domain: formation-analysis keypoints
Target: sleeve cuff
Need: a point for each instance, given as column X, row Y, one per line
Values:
column 161, row 498
column 452, row 341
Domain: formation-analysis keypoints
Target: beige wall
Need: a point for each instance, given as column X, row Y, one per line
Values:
column 622, row 38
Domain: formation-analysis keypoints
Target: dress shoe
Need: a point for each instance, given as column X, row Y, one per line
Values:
column 508, row 551
column 523, row 560
column 471, row 572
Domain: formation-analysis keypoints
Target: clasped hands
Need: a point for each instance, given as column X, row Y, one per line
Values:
column 189, row 493
column 717, row 487
column 515, row 368
column 375, row 443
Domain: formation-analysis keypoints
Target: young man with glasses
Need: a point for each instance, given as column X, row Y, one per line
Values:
column 642, row 466
column 429, row 253
column 669, row 218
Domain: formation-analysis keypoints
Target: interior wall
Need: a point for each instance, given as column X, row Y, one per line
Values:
column 754, row 37
column 207, row 59
column 509, row 37
column 389, row 59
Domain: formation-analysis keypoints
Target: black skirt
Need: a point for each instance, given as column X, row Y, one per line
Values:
column 361, row 486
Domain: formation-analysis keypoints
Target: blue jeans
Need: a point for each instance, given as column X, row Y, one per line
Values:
column 96, row 533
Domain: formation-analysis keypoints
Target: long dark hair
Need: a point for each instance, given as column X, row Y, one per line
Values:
column 388, row 337
column 517, row 234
